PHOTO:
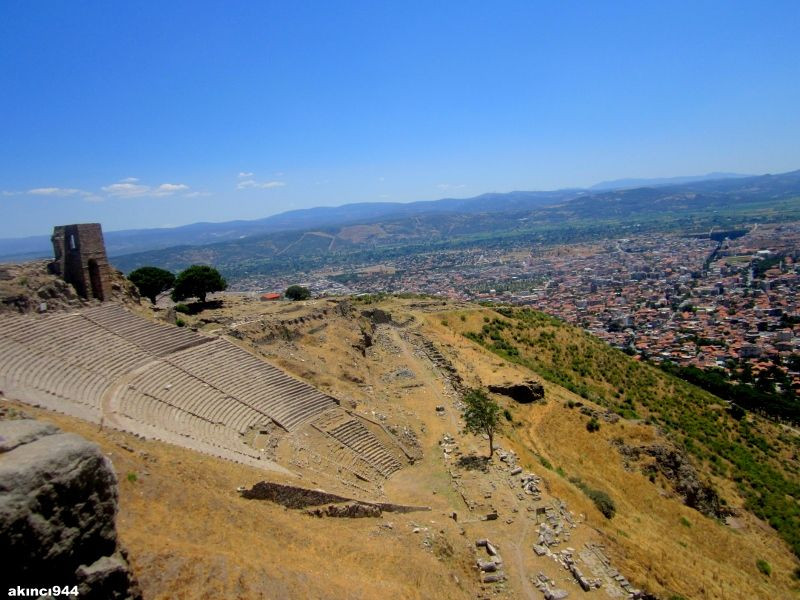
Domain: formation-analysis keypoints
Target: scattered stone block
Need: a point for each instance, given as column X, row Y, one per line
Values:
column 494, row 577
column 488, row 566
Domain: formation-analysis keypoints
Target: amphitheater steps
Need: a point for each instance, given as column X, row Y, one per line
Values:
column 288, row 401
column 153, row 338
column 357, row 437
column 173, row 384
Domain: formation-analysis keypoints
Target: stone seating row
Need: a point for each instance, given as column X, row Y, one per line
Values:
column 45, row 372
column 154, row 338
column 169, row 383
column 354, row 435
column 288, row 401
column 170, row 417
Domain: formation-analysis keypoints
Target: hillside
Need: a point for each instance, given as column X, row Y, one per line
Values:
column 402, row 363
column 493, row 220
column 759, row 456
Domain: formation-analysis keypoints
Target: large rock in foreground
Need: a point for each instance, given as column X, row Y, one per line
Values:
column 58, row 503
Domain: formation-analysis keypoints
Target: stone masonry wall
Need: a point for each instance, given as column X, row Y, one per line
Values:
column 80, row 259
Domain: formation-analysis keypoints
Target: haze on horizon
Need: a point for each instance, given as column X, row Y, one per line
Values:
column 143, row 116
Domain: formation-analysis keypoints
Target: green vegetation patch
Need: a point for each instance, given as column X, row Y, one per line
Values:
column 601, row 499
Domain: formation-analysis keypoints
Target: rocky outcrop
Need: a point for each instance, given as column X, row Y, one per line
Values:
column 58, row 503
column 378, row 317
column 524, row 393
column 30, row 288
column 352, row 510
column 676, row 467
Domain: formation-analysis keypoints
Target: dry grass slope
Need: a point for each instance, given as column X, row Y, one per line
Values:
column 190, row 535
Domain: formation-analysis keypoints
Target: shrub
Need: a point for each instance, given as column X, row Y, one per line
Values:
column 593, row 425
column 764, row 567
column 507, row 415
column 180, row 322
column 297, row 292
column 601, row 499
column 545, row 463
column 182, row 308
column 132, row 477
column 603, row 502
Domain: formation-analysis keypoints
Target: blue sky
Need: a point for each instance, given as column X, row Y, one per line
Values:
column 149, row 114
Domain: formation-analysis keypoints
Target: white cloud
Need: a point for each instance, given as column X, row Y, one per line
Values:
column 451, row 186
column 126, row 189
column 10, row 193
column 196, row 194
column 129, row 189
column 263, row 185
column 166, row 189
column 130, row 180
column 244, row 174
column 55, row 191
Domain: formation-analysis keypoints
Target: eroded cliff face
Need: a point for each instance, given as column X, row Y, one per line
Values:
column 58, row 504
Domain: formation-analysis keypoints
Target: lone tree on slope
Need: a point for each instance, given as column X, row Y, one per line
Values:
column 196, row 282
column 481, row 415
column 151, row 281
column 297, row 292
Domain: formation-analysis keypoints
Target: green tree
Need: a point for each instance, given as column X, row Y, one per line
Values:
column 196, row 282
column 297, row 292
column 481, row 415
column 151, row 281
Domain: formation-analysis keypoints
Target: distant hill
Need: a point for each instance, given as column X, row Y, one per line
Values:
column 618, row 184
column 434, row 219
column 129, row 241
column 493, row 220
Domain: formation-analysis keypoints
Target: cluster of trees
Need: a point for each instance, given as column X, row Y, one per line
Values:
column 759, row 395
column 195, row 282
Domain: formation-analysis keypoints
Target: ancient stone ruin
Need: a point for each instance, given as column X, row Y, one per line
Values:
column 295, row 497
column 107, row 365
column 80, row 259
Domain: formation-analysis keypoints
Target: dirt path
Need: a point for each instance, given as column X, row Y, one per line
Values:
column 519, row 548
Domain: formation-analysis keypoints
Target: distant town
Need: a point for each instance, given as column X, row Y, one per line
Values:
column 706, row 301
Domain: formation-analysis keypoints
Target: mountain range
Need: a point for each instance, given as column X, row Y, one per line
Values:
column 434, row 219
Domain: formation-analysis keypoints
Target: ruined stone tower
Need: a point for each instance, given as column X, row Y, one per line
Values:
column 81, row 259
